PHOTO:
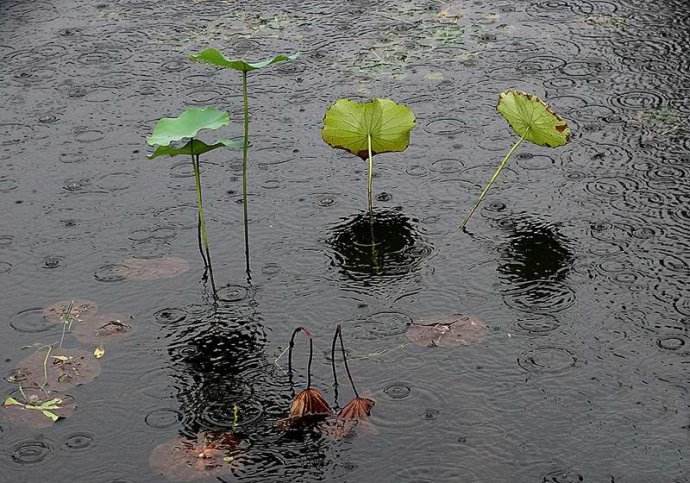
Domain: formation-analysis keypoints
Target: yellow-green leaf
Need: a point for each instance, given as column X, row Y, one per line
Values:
column 348, row 125
column 99, row 352
column 50, row 415
column 533, row 119
column 216, row 58
column 10, row 401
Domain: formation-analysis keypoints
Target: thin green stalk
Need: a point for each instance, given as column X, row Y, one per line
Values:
column 503, row 164
column 202, row 217
column 245, row 162
column 198, row 224
column 370, row 184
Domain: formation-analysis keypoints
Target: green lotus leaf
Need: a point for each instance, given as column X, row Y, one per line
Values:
column 199, row 148
column 215, row 57
column 187, row 125
column 533, row 119
column 348, row 124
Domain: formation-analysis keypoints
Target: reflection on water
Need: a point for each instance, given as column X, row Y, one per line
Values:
column 536, row 251
column 386, row 243
column 224, row 385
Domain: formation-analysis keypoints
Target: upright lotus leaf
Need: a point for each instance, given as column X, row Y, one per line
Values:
column 531, row 119
column 216, row 58
column 369, row 128
column 187, row 125
column 193, row 146
column 349, row 125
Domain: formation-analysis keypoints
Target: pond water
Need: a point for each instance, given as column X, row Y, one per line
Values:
column 577, row 262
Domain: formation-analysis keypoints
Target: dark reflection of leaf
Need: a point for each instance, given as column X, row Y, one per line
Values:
column 70, row 310
column 453, row 331
column 536, row 251
column 210, row 455
column 33, row 417
column 64, row 368
column 387, row 244
column 101, row 328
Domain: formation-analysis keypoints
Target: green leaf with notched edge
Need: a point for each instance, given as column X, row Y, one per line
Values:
column 348, row 124
column 200, row 147
column 532, row 118
column 215, row 57
column 187, row 125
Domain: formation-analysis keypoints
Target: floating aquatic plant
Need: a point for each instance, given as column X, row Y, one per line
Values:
column 36, row 408
column 208, row 455
column 102, row 327
column 308, row 405
column 453, row 331
column 144, row 269
column 216, row 58
column 531, row 119
column 183, row 129
column 56, row 369
column 367, row 129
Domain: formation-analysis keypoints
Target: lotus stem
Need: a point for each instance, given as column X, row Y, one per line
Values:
column 370, row 180
column 311, row 353
column 503, row 164
column 196, row 164
column 339, row 335
column 245, row 163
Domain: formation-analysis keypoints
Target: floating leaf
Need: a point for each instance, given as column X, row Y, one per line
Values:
column 36, row 411
column 348, row 125
column 145, row 269
column 195, row 146
column 533, row 119
column 210, row 455
column 70, row 367
column 187, row 125
column 216, row 58
column 454, row 331
column 101, row 327
column 69, row 310
column 99, row 352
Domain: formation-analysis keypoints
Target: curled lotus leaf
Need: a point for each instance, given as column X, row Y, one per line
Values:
column 348, row 125
column 533, row 119
column 187, row 125
column 215, row 57
column 306, row 407
column 194, row 146
column 454, row 331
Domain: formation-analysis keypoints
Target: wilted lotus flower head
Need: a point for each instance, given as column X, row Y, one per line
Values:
column 359, row 409
column 308, row 405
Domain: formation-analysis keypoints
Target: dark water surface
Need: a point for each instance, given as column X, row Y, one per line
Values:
column 578, row 261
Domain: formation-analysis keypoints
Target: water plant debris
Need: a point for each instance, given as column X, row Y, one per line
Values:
column 453, row 331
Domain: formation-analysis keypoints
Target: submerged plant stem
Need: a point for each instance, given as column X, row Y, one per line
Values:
column 503, row 164
column 245, row 162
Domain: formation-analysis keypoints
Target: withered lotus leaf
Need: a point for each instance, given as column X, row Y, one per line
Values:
column 102, row 327
column 29, row 410
column 453, row 331
column 355, row 414
column 210, row 455
column 357, row 409
column 307, row 406
column 68, row 310
column 145, row 269
column 64, row 369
